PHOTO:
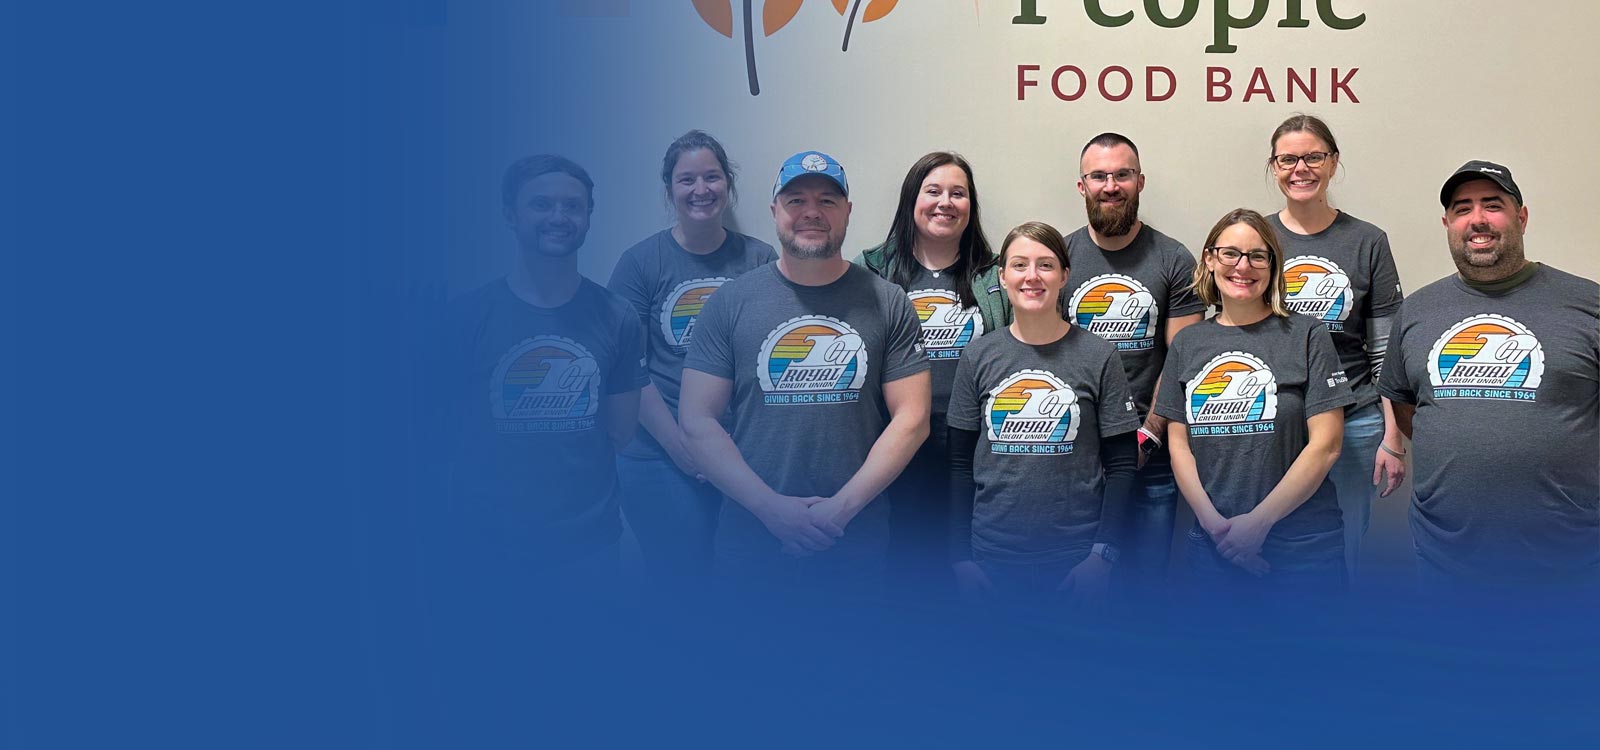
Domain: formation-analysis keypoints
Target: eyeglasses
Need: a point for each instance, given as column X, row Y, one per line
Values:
column 1286, row 162
column 1229, row 256
column 1123, row 176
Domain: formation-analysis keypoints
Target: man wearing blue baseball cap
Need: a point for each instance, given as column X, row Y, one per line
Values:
column 820, row 364
column 1493, row 373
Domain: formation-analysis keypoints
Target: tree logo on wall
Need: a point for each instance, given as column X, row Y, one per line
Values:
column 775, row 14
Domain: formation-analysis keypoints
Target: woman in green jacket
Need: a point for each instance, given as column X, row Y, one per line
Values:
column 936, row 251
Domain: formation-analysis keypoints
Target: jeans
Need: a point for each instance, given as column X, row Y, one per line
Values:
column 673, row 516
column 1153, row 510
column 1352, row 477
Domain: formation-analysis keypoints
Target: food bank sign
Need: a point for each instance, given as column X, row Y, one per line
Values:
column 1039, row 81
column 1220, row 83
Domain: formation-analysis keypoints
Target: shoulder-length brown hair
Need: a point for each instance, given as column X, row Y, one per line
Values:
column 1205, row 282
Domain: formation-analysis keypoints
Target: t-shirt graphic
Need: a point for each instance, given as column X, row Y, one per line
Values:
column 545, row 384
column 1235, row 394
column 1486, row 356
column 1318, row 287
column 946, row 326
column 1117, row 308
column 682, row 306
column 1033, row 412
column 812, row 359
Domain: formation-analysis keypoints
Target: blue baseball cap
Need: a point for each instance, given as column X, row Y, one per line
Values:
column 810, row 162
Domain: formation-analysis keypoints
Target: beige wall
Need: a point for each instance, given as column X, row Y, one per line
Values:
column 1440, row 82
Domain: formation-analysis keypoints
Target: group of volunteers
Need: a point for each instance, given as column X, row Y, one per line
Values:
column 1017, row 422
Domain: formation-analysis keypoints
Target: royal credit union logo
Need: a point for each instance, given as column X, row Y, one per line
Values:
column 1116, row 308
column 1487, row 356
column 775, row 14
column 683, row 306
column 947, row 327
column 812, row 359
column 1235, row 393
column 545, row 384
column 1033, row 412
column 1318, row 287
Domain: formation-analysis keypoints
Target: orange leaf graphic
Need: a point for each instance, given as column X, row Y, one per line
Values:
column 878, row 9
column 777, row 13
column 841, row 6
column 718, row 14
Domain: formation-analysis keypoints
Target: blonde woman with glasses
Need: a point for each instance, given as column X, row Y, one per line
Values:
column 1256, row 399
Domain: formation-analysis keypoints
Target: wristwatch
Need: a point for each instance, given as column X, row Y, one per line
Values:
column 1148, row 443
column 1106, row 552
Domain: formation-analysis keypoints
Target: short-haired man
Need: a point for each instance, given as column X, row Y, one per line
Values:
column 1131, row 285
column 1495, row 375
column 811, row 352
column 546, row 388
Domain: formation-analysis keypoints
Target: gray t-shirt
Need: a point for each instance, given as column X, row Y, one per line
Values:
column 668, row 286
column 1343, row 276
column 808, row 365
column 947, row 328
column 1506, row 437
column 1126, row 296
column 532, row 461
column 1040, row 412
column 1246, row 392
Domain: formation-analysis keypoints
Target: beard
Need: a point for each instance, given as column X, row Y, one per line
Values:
column 795, row 248
column 1506, row 252
column 1114, row 221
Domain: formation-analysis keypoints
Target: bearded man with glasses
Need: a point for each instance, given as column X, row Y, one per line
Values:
column 1130, row 285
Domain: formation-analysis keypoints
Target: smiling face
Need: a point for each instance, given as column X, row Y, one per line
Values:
column 1112, row 205
column 550, row 216
column 1485, row 226
column 699, row 187
column 1300, row 182
column 1240, row 282
column 811, row 214
column 943, row 204
column 1032, row 276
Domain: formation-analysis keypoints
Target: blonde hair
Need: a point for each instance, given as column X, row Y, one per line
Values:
column 1205, row 282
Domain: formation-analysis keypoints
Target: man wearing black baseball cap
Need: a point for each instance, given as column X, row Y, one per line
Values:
column 821, row 366
column 1493, row 374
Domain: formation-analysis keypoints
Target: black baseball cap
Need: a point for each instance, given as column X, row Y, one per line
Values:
column 1480, row 170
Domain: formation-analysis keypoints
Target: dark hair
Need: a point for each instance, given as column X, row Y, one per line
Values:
column 527, row 168
column 975, row 255
column 1108, row 140
column 1041, row 233
column 695, row 140
column 1302, row 123
column 1205, row 282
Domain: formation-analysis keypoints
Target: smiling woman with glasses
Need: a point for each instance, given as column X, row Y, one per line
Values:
column 1256, row 400
column 1340, row 270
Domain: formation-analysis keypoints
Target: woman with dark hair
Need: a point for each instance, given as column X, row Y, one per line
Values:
column 1256, row 396
column 668, row 277
column 1042, row 442
column 1339, row 270
column 936, row 251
